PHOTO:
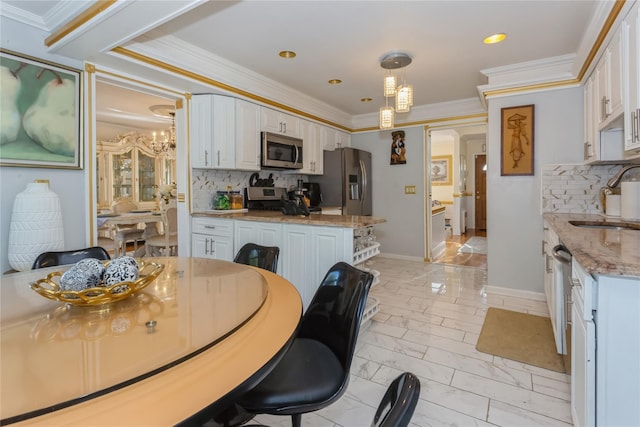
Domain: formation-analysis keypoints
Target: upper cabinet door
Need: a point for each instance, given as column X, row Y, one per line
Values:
column 247, row 135
column 610, row 106
column 632, row 111
column 278, row 122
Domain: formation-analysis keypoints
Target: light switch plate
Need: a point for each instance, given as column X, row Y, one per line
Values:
column 409, row 189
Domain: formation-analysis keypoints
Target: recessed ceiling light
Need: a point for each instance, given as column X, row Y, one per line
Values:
column 287, row 54
column 495, row 38
column 366, row 99
column 335, row 81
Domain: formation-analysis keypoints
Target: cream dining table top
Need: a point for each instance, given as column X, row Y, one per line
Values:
column 216, row 324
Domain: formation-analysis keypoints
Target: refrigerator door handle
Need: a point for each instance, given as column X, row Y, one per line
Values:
column 363, row 171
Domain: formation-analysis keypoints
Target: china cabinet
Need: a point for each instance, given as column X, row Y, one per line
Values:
column 128, row 167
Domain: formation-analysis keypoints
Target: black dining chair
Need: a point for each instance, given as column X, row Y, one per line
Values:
column 314, row 371
column 399, row 402
column 265, row 257
column 50, row 259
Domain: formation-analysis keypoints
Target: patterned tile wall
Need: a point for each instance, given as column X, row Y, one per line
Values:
column 205, row 183
column 575, row 188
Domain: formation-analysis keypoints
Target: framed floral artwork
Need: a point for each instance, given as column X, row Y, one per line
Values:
column 41, row 123
column 441, row 170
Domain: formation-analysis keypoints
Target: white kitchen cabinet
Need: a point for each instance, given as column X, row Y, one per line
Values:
column 247, row 135
column 260, row 233
column 609, row 84
column 212, row 238
column 312, row 156
column 605, row 390
column 225, row 133
column 583, row 357
column 278, row 122
column 332, row 138
column 591, row 135
column 631, row 29
column 308, row 252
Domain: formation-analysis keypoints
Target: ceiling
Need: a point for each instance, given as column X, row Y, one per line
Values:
column 346, row 39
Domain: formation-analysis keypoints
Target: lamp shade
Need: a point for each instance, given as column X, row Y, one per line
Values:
column 36, row 225
column 386, row 118
column 402, row 99
column 389, row 85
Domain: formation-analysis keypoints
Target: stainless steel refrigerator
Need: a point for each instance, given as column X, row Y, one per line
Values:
column 346, row 181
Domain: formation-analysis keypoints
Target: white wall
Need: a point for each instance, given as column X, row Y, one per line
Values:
column 514, row 218
column 403, row 233
column 70, row 185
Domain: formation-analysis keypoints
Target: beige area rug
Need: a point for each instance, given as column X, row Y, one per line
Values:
column 525, row 338
column 475, row 245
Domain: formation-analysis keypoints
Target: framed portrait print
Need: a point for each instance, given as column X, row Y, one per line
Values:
column 441, row 170
column 41, row 122
column 516, row 143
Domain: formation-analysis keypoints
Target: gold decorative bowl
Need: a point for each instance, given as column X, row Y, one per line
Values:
column 49, row 287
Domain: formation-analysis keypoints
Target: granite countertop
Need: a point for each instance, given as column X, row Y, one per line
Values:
column 344, row 221
column 600, row 251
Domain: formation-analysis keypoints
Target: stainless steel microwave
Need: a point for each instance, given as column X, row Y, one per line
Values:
column 281, row 151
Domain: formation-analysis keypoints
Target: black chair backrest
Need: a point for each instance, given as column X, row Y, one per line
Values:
column 265, row 257
column 50, row 259
column 399, row 402
column 335, row 313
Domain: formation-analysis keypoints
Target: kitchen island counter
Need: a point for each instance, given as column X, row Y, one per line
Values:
column 600, row 251
column 344, row 221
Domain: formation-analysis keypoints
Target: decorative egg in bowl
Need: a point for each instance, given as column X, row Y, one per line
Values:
column 93, row 282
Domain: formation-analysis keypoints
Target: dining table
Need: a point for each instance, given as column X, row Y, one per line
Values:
column 113, row 220
column 182, row 348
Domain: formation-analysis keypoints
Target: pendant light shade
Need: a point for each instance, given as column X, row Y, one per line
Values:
column 390, row 83
column 402, row 99
column 387, row 116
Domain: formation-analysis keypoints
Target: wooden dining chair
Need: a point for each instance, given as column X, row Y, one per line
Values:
column 124, row 233
column 165, row 244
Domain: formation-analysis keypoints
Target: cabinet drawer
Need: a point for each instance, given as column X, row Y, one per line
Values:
column 214, row 227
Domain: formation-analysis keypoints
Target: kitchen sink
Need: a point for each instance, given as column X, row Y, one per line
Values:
column 606, row 225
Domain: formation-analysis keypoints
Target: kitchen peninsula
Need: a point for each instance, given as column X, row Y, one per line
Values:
column 309, row 246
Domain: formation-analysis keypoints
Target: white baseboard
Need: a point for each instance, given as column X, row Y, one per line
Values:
column 538, row 296
column 404, row 257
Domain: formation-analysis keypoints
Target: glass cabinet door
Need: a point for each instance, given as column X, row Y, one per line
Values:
column 122, row 175
column 146, row 177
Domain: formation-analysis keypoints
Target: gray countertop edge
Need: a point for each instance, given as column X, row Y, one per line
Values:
column 343, row 221
column 599, row 251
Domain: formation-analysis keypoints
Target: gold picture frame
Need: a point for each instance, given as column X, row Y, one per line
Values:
column 43, row 128
column 441, row 170
column 516, row 140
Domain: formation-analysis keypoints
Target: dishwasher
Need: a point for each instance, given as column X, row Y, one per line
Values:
column 562, row 258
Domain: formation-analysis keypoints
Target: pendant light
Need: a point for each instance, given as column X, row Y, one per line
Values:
column 403, row 93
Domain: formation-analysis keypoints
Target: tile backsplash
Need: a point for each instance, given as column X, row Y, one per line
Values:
column 205, row 183
column 575, row 188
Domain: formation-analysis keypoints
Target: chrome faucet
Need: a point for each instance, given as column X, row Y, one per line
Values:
column 612, row 184
column 615, row 181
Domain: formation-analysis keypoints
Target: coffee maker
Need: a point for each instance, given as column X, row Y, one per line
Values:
column 313, row 193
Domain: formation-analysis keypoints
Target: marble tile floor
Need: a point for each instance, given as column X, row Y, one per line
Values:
column 429, row 320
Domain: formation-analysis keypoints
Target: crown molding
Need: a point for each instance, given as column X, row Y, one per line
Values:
column 230, row 78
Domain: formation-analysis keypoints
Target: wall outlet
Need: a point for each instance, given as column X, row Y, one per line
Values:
column 409, row 189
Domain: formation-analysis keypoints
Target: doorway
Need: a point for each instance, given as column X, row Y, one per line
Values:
column 135, row 155
column 481, row 191
column 465, row 237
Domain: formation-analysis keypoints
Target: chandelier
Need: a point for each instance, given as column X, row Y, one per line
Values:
column 403, row 93
column 164, row 143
